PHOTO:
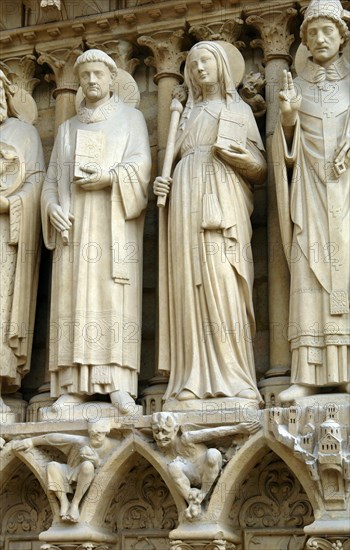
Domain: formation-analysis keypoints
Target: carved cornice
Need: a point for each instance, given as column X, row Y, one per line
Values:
column 167, row 55
column 61, row 60
column 228, row 30
column 120, row 51
column 274, row 28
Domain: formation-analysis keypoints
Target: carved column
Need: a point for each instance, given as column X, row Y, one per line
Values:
column 61, row 60
column 120, row 51
column 276, row 39
column 21, row 71
column 167, row 58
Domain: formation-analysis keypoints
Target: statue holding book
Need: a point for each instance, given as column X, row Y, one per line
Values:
column 209, row 313
column 93, row 206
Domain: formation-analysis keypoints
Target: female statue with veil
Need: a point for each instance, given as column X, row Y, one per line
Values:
column 209, row 309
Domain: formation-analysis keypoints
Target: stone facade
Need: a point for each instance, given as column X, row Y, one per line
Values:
column 284, row 481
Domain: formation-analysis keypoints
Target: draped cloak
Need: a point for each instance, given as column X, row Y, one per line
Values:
column 208, row 349
column 20, row 251
column 95, row 328
column 314, row 209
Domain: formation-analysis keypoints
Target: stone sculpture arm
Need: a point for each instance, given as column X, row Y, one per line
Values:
column 54, row 439
column 206, row 434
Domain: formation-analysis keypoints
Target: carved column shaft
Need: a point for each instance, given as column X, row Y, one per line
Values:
column 273, row 26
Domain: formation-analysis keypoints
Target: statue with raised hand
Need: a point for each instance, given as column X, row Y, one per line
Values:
column 312, row 158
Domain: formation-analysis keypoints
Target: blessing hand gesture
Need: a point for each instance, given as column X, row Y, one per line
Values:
column 289, row 100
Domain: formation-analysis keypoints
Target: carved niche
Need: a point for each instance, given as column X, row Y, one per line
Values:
column 272, row 508
column 142, row 510
column 24, row 509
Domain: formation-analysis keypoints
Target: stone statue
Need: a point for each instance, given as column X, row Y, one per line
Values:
column 312, row 156
column 84, row 456
column 21, row 176
column 93, row 205
column 192, row 466
column 210, row 271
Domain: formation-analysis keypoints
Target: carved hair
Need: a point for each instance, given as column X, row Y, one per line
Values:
column 96, row 55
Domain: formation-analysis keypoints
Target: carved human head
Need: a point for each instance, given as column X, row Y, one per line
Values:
column 330, row 9
column 224, row 77
column 98, row 429
column 99, row 56
column 165, row 428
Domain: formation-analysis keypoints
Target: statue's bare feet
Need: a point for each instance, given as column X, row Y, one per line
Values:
column 123, row 401
column 184, row 395
column 64, row 506
column 73, row 514
column 295, row 392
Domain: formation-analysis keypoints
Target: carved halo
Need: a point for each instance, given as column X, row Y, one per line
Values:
column 12, row 170
column 124, row 87
column 235, row 60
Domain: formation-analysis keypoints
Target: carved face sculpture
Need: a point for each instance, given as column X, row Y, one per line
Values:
column 96, row 81
column 323, row 40
column 97, row 437
column 203, row 67
column 164, row 430
column 3, row 103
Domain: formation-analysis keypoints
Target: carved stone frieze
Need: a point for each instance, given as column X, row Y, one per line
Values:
column 142, row 501
column 82, row 546
column 276, row 38
column 167, row 55
column 271, row 498
column 24, row 507
column 229, row 31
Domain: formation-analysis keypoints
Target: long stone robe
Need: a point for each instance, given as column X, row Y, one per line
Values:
column 210, row 267
column 314, row 209
column 95, row 330
column 20, row 254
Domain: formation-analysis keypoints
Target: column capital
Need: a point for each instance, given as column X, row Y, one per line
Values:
column 120, row 51
column 274, row 28
column 167, row 55
column 20, row 69
column 228, row 30
column 61, row 60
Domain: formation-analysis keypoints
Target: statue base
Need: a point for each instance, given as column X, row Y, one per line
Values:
column 204, row 531
column 89, row 411
column 79, row 532
column 221, row 406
